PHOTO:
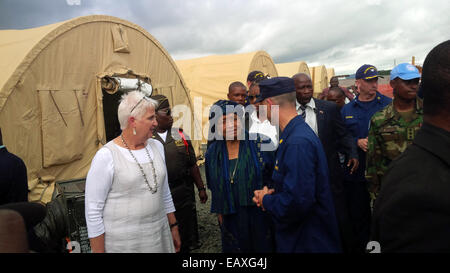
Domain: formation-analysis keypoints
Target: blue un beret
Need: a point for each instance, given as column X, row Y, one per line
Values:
column 275, row 86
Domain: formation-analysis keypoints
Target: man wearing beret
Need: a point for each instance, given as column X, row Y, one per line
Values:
column 183, row 172
column 300, row 204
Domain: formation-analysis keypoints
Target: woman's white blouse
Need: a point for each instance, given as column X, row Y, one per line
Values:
column 99, row 180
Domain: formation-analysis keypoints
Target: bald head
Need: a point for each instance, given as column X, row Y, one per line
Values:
column 303, row 87
column 301, row 77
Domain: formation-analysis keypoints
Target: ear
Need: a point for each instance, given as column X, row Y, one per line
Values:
column 131, row 121
column 228, row 95
column 393, row 84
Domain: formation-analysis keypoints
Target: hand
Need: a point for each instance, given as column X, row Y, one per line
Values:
column 355, row 163
column 362, row 143
column 220, row 219
column 259, row 195
column 176, row 238
column 203, row 196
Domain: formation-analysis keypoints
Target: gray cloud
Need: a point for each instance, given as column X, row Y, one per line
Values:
column 339, row 34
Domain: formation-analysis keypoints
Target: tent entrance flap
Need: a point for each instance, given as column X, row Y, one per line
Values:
column 62, row 125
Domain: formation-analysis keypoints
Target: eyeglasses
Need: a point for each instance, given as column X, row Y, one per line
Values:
column 143, row 98
column 166, row 111
column 250, row 97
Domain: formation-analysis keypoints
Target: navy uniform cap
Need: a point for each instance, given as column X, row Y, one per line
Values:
column 275, row 86
column 367, row 72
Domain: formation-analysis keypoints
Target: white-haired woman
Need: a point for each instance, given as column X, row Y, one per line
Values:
column 129, row 207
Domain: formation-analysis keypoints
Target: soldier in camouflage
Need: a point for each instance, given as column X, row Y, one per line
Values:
column 393, row 129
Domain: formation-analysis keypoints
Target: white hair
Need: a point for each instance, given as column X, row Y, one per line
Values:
column 136, row 100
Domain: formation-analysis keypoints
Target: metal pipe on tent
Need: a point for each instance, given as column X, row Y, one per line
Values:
column 57, row 108
column 79, row 108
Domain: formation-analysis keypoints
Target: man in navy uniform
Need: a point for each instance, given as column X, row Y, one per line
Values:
column 357, row 115
column 300, row 204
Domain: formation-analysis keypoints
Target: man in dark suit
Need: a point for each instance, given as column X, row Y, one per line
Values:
column 326, row 121
column 13, row 177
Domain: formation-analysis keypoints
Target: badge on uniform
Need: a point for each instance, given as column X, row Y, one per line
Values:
column 179, row 142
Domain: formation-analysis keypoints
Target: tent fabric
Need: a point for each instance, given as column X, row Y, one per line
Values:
column 290, row 69
column 208, row 79
column 330, row 73
column 319, row 78
column 51, row 101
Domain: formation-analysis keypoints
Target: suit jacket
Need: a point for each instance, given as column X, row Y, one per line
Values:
column 13, row 178
column 333, row 134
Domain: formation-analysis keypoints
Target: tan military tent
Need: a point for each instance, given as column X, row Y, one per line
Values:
column 290, row 69
column 208, row 78
column 51, row 99
column 319, row 78
column 330, row 73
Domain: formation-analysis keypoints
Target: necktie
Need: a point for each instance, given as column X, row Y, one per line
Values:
column 303, row 111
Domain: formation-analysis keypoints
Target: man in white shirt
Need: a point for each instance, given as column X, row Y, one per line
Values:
column 256, row 125
column 307, row 109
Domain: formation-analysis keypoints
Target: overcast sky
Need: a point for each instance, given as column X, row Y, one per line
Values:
column 339, row 34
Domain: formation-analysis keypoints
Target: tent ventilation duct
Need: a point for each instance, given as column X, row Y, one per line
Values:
column 113, row 84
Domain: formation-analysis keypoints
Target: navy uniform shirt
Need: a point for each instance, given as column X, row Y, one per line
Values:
column 302, row 206
column 357, row 115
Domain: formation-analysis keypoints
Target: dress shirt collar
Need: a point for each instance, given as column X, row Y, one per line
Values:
column 311, row 104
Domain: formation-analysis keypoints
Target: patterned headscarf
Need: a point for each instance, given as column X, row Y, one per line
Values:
column 248, row 176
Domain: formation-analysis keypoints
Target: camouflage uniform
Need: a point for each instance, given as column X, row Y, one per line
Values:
column 389, row 135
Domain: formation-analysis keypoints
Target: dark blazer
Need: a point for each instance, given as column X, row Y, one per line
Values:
column 13, row 178
column 333, row 134
column 335, row 138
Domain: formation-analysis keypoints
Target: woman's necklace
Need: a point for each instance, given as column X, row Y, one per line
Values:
column 155, row 188
column 235, row 168
column 234, row 171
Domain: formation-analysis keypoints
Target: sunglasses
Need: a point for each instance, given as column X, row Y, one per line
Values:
column 143, row 98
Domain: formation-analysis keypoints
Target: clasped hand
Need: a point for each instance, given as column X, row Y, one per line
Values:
column 259, row 195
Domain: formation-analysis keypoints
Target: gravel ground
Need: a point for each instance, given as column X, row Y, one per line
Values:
column 208, row 228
